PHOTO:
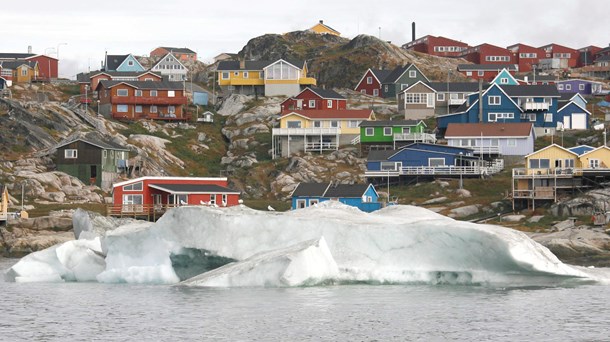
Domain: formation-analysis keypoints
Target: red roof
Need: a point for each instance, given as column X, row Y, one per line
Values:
column 333, row 113
column 498, row 129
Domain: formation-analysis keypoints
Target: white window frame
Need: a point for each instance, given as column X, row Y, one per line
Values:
column 581, row 86
column 295, row 123
column 511, row 142
column 334, row 124
column 387, row 131
column 313, row 201
column 138, row 92
column 301, row 203
column 548, row 117
column 153, row 109
column 369, row 80
column 440, row 97
column 503, row 80
column 468, row 73
column 70, row 153
column 560, row 87
column 153, row 93
column 431, row 159
column 568, row 87
column 481, row 73
column 245, row 74
column 122, row 92
column 104, row 154
column 122, row 108
column 225, row 75
column 532, row 117
column 224, row 199
column 171, row 93
column 353, row 123
column 329, row 103
column 375, row 92
column 212, row 199
column 138, row 109
column 138, row 186
column 491, row 100
column 369, row 131
column 312, row 103
column 594, row 163
column 412, row 73
column 389, row 166
column 317, row 124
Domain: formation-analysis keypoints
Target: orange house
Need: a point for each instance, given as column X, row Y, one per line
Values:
column 183, row 54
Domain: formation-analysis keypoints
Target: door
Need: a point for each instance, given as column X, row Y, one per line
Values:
column 579, row 121
column 566, row 122
column 93, row 174
column 430, row 102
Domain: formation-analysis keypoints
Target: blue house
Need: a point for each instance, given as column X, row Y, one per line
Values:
column 505, row 78
column 361, row 196
column 572, row 115
column 421, row 160
column 537, row 104
column 122, row 63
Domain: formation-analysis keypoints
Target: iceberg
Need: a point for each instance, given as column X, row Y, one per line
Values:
column 327, row 243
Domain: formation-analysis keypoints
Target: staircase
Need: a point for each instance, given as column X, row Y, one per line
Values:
column 356, row 140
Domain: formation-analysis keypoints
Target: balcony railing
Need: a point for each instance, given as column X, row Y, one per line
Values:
column 321, row 146
column 306, row 131
column 450, row 170
column 417, row 137
column 485, row 149
column 142, row 100
column 456, row 102
column 535, row 106
column 542, row 192
column 524, row 173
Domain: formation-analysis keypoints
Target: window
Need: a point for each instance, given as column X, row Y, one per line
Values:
column 224, row 200
column 568, row 87
column 594, row 163
column 334, row 124
column 171, row 93
column 353, row 123
column 301, row 204
column 363, row 91
column 329, row 103
column 532, row 117
column 314, row 201
column 481, row 73
column 494, row 100
column 153, row 93
column 70, row 154
column 317, row 124
column 122, row 92
column 511, row 142
column 153, row 109
column 469, row 73
column 171, row 109
column 436, row 162
column 375, row 92
column 387, row 131
column 389, row 166
column 369, row 131
column 569, row 163
column 403, row 86
column 494, row 142
column 131, row 200
column 312, row 103
column 104, row 154
column 236, row 73
column 224, row 75
column 416, row 98
column 138, row 92
column 493, row 117
column 122, row 108
column 133, row 187
column 213, row 199
column 560, row 87
column 138, row 109
column 386, row 88
column 24, row 71
column 440, row 97
column 406, row 130
column 245, row 74
column 130, row 63
column 548, row 117
column 369, row 80
column 112, row 154
column 282, row 71
column 178, row 200
column 581, row 87
column 540, row 163
column 412, row 73
column 503, row 80
column 293, row 124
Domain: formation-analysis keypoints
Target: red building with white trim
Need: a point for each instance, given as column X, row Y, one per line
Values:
column 525, row 56
column 370, row 83
column 561, row 52
column 315, row 99
column 437, row 46
column 487, row 54
column 146, row 194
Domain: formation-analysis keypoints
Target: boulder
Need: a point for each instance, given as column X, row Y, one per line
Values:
column 535, row 218
column 513, row 218
column 465, row 211
column 435, row 200
column 463, row 193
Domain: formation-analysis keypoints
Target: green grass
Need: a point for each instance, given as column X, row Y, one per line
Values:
column 44, row 209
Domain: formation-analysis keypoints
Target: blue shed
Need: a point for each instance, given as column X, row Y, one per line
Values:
column 361, row 196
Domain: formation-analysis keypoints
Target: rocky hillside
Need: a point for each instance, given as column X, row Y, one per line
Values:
column 338, row 62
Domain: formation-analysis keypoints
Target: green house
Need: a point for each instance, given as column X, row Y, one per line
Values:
column 92, row 160
column 401, row 78
column 393, row 134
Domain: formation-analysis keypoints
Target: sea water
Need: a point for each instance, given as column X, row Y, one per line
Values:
column 359, row 312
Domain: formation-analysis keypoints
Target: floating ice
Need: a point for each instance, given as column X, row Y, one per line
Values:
column 399, row 244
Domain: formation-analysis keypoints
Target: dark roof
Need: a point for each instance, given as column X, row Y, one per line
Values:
column 603, row 58
column 507, row 129
column 95, row 141
column 329, row 190
column 563, row 97
column 15, row 55
column 144, row 84
column 249, row 65
column 381, row 74
column 86, row 76
column 178, row 50
column 380, row 154
column 194, row 188
column 460, row 87
column 396, row 73
column 531, row 90
column 310, row 189
column 12, row 64
column 463, row 107
column 113, row 61
column 488, row 67
column 386, row 123
column 326, row 93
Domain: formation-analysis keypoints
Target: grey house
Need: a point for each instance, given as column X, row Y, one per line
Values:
column 401, row 78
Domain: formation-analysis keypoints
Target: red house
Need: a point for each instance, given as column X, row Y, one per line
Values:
column 47, row 66
column 93, row 78
column 486, row 72
column 183, row 54
column 437, row 46
column 147, row 195
column 586, row 55
column 525, row 56
column 370, row 83
column 561, row 52
column 314, row 98
column 134, row 100
column 487, row 54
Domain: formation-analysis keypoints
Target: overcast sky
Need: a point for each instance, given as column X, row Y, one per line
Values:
column 210, row 27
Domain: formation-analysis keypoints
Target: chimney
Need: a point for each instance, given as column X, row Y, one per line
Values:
column 242, row 63
column 322, row 22
column 413, row 31
column 29, row 48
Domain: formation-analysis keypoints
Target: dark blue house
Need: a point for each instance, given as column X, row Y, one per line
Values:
column 537, row 104
column 572, row 113
column 361, row 196
column 421, row 159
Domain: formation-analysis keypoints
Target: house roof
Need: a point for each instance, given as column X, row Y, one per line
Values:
column 13, row 64
column 95, row 141
column 5, row 55
column 86, row 77
column 395, row 74
column 603, row 58
column 114, row 61
column 330, row 114
column 330, row 190
column 162, row 85
column 326, row 93
column 321, row 22
column 459, row 87
column 582, row 149
column 192, row 188
column 382, row 155
column 178, row 50
column 381, row 75
column 546, row 90
column 168, row 55
column 514, row 129
column 168, row 178
column 548, row 147
column 386, row 123
column 486, row 67
column 234, row 65
column 375, row 155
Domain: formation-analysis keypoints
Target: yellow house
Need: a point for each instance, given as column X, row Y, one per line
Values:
column 3, row 205
column 321, row 28
column 554, row 171
column 278, row 78
column 317, row 130
column 23, row 71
